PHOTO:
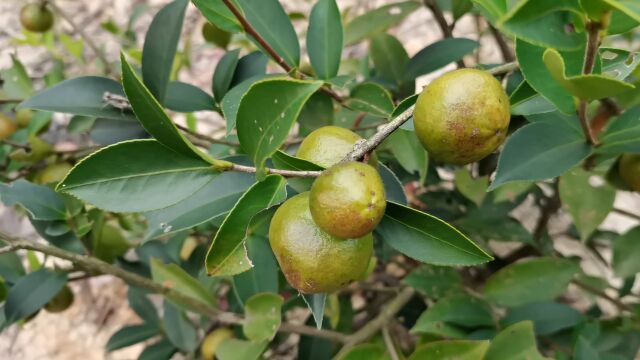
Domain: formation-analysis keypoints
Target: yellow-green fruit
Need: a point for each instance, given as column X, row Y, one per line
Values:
column 36, row 17
column 212, row 341
column 629, row 169
column 312, row 260
column 348, row 200
column 7, row 126
column 215, row 35
column 328, row 145
column 54, row 173
column 23, row 117
column 462, row 116
column 61, row 301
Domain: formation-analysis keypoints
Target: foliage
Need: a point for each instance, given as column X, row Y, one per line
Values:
column 183, row 211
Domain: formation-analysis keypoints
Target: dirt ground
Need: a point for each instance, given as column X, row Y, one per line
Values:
column 100, row 308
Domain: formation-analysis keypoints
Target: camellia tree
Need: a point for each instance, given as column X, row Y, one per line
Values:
column 394, row 214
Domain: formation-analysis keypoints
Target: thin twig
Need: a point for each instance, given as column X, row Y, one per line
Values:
column 207, row 138
column 286, row 173
column 7, row 249
column 372, row 327
column 627, row 213
column 505, row 49
column 593, row 43
column 619, row 304
column 92, row 264
column 442, row 23
column 80, row 31
column 16, row 144
column 504, row 68
column 388, row 342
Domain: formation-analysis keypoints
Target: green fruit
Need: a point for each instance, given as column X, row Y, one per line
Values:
column 462, row 116
column 312, row 260
column 7, row 127
column 61, row 301
column 328, row 145
column 348, row 200
column 36, row 18
column 212, row 342
column 54, row 173
column 23, row 117
column 629, row 169
column 215, row 35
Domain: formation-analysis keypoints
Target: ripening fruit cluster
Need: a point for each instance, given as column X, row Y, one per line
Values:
column 322, row 238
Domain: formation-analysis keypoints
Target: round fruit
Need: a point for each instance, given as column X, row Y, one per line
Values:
column 215, row 35
column 629, row 169
column 54, row 173
column 23, row 117
column 348, row 200
column 36, row 18
column 212, row 341
column 327, row 145
column 462, row 116
column 312, row 260
column 7, row 126
column 61, row 301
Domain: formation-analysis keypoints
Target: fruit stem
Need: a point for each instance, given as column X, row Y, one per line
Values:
column 590, row 55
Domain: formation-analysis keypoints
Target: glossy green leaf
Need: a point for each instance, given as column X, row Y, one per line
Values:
column 516, row 342
column 584, row 350
column 262, row 316
column 547, row 318
column 179, row 330
column 451, row 349
column 217, row 13
column 626, row 249
column 622, row 134
column 371, row 98
column 473, row 189
column 390, row 59
column 367, row 352
column 32, row 292
column 316, row 113
column 130, row 335
column 160, row 45
column 162, row 350
column 234, row 349
column 392, row 185
column 438, row 55
column 16, row 83
column 324, row 38
column 588, row 198
column 215, row 198
column 173, row 276
column 539, row 151
column 231, row 101
column 434, row 281
column 402, row 107
column 41, row 202
column 406, row 148
column 142, row 306
column 227, row 254
column 80, row 96
column 493, row 223
column 462, row 310
column 540, row 79
column 250, row 65
column 378, row 20
column 629, row 7
column 428, row 239
column 153, row 118
column 101, row 180
column 270, row 20
column 266, row 114
column 316, row 303
column 183, row 97
column 11, row 268
column 536, row 280
column 587, row 87
column 263, row 277
column 223, row 74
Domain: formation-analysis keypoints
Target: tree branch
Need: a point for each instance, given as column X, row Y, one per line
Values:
column 80, row 31
column 96, row 265
column 371, row 328
column 388, row 343
column 286, row 173
column 626, row 213
column 588, row 288
column 593, row 43
column 446, row 29
column 505, row 50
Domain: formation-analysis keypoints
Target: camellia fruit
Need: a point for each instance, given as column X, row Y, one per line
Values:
column 23, row 117
column 348, row 200
column 36, row 18
column 212, row 342
column 60, row 302
column 215, row 35
column 312, row 260
column 629, row 170
column 462, row 116
column 328, row 145
column 7, row 127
